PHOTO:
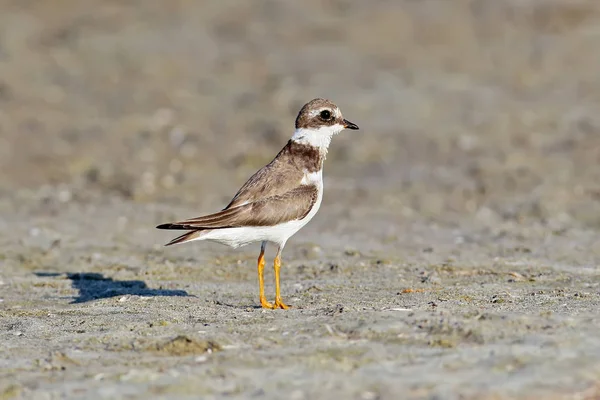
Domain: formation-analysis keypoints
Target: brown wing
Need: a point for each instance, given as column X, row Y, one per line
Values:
column 292, row 205
column 276, row 178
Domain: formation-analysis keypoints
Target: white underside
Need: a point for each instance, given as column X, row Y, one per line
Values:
column 278, row 234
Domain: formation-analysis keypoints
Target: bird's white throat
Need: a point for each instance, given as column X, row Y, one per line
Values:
column 320, row 137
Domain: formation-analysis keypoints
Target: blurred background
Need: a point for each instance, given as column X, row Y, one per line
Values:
column 484, row 108
column 457, row 248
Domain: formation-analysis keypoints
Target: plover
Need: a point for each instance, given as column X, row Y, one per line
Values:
column 279, row 199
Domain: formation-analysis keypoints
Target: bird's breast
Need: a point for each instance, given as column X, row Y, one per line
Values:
column 312, row 178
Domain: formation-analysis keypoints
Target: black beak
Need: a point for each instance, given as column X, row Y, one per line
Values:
column 350, row 125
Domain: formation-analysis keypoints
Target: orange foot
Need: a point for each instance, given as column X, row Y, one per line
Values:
column 265, row 304
column 280, row 304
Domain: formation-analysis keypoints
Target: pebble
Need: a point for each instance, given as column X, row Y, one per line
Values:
column 369, row 396
column 352, row 253
column 64, row 196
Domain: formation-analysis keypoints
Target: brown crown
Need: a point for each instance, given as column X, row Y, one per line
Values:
column 308, row 118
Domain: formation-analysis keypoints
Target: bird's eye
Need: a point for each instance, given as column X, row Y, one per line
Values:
column 325, row 114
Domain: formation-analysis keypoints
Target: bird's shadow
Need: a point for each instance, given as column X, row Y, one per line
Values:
column 94, row 286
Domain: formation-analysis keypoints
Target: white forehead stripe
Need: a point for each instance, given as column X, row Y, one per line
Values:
column 318, row 111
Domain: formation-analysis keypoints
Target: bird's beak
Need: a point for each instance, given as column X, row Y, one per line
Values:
column 350, row 125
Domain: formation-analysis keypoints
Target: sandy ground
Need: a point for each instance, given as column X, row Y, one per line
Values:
column 457, row 251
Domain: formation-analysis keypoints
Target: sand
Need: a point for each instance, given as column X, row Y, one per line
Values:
column 456, row 254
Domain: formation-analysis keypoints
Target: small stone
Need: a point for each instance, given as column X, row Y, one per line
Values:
column 64, row 196
column 369, row 396
column 351, row 253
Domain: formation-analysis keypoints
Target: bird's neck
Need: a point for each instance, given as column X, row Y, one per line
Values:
column 319, row 138
column 306, row 157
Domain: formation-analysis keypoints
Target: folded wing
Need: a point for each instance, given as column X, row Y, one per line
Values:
column 292, row 205
column 277, row 178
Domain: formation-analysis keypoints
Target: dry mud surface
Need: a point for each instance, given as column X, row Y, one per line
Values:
column 457, row 251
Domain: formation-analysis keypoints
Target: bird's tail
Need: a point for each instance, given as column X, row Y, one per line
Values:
column 186, row 237
column 176, row 225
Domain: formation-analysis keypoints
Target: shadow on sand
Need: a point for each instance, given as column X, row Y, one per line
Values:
column 94, row 286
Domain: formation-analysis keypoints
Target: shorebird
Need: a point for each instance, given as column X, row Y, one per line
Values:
column 279, row 199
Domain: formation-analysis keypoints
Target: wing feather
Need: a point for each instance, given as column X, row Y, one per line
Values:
column 276, row 178
column 292, row 205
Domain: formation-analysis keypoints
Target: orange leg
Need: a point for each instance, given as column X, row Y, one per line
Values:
column 261, row 280
column 277, row 266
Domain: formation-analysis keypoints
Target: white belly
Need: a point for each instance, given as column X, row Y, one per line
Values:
column 278, row 234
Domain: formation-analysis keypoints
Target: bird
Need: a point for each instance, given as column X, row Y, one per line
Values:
column 279, row 199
